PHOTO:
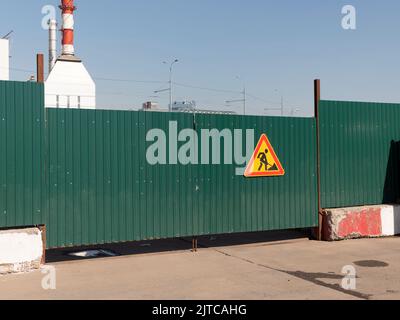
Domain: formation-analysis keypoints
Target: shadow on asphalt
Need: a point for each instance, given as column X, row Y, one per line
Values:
column 182, row 244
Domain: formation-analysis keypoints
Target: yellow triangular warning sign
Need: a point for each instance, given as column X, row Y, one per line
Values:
column 264, row 162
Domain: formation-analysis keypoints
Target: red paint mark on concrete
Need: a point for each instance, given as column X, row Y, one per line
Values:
column 367, row 223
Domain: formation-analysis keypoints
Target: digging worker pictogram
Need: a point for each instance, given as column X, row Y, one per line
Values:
column 262, row 156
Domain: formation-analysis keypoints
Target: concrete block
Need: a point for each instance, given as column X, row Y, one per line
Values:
column 20, row 250
column 361, row 222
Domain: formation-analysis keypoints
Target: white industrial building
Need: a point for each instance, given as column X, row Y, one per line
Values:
column 69, row 85
column 4, row 60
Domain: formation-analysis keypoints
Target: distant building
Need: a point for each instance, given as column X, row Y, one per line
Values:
column 216, row 112
column 184, row 106
column 151, row 106
column 191, row 107
column 4, row 60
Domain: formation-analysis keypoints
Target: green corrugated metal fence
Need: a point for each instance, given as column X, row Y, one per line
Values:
column 85, row 176
column 359, row 153
column 102, row 190
column 21, row 154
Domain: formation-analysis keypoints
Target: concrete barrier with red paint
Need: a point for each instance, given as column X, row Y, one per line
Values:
column 21, row 250
column 361, row 222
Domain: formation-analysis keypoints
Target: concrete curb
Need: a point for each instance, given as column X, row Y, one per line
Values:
column 361, row 222
column 21, row 250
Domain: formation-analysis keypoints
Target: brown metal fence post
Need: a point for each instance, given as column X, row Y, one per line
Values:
column 40, row 79
column 40, row 68
column 317, row 98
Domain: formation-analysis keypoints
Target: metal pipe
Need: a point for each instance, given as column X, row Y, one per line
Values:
column 194, row 244
column 40, row 68
column 52, row 44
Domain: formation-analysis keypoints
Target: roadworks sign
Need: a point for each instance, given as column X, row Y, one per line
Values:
column 264, row 162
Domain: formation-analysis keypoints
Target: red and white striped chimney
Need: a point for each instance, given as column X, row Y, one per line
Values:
column 68, row 8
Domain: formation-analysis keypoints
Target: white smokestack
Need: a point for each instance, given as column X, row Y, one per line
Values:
column 52, row 44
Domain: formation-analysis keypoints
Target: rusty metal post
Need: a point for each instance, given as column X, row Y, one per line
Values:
column 194, row 244
column 317, row 98
column 40, row 68
column 43, row 229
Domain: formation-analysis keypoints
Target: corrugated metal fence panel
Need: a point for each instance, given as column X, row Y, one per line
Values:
column 359, row 153
column 101, row 188
column 266, row 203
column 21, row 154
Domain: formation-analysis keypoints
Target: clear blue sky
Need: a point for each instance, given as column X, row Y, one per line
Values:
column 278, row 47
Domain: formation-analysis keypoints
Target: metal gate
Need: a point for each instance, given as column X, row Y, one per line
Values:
column 85, row 176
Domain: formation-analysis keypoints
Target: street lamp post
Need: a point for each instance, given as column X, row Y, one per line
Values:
column 170, row 84
column 244, row 94
column 273, row 109
column 282, row 103
column 244, row 100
